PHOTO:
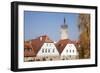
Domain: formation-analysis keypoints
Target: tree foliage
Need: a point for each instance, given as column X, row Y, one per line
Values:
column 84, row 38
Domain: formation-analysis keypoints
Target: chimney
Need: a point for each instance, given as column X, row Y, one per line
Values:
column 41, row 38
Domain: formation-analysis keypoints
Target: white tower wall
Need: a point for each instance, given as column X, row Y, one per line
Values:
column 64, row 33
column 64, row 30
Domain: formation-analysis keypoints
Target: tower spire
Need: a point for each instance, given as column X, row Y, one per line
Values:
column 64, row 30
column 64, row 20
column 64, row 24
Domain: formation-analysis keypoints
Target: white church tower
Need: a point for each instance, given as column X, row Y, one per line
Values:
column 64, row 30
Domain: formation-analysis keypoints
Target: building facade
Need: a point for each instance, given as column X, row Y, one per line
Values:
column 48, row 50
column 70, row 52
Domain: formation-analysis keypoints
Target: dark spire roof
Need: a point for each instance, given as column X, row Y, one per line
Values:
column 64, row 25
column 64, row 20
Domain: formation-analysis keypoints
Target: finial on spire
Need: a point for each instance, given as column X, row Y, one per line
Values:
column 64, row 25
column 64, row 20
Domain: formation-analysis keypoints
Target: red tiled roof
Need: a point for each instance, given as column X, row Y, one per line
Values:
column 29, row 53
column 62, row 44
column 27, row 44
column 38, row 42
column 27, row 47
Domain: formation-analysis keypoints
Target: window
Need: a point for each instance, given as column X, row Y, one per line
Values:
column 42, row 50
column 70, row 50
column 73, row 51
column 47, row 44
column 69, row 46
column 66, row 50
column 50, row 44
column 53, row 50
column 48, row 50
column 45, row 50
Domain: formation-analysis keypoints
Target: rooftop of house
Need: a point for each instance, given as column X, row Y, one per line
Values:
column 61, row 44
column 37, row 43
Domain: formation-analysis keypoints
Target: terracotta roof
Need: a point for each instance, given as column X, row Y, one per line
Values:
column 62, row 43
column 37, row 43
column 28, row 53
column 27, row 44
column 28, row 50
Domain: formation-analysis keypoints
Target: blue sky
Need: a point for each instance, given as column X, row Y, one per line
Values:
column 46, row 23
